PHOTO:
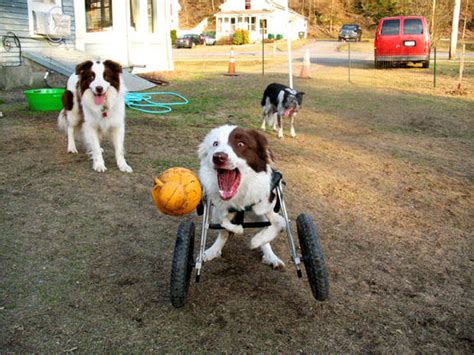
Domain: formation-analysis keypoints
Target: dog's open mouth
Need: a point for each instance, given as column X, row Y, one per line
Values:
column 229, row 181
column 99, row 99
column 288, row 111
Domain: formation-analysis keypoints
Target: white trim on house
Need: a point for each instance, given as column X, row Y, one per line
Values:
column 137, row 46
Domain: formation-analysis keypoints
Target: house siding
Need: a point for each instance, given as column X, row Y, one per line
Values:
column 14, row 18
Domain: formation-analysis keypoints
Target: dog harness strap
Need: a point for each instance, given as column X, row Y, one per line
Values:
column 276, row 178
column 246, row 209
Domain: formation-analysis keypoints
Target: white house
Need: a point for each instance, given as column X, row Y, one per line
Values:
column 256, row 16
column 133, row 32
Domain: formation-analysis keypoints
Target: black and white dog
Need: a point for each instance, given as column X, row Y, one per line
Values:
column 280, row 101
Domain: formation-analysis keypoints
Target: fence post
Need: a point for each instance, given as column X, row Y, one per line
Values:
column 349, row 55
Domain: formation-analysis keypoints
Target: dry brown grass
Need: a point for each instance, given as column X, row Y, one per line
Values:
column 384, row 165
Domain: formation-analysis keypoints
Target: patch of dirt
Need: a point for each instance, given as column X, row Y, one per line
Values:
column 86, row 256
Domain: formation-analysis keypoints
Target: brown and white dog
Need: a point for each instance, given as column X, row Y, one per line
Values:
column 236, row 175
column 94, row 104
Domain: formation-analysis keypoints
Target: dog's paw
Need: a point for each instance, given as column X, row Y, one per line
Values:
column 293, row 135
column 99, row 167
column 72, row 150
column 233, row 228
column 125, row 168
column 274, row 261
column 210, row 254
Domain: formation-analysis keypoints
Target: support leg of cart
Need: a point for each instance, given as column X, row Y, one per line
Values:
column 291, row 243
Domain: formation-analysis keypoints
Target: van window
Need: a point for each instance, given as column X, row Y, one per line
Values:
column 391, row 27
column 412, row 26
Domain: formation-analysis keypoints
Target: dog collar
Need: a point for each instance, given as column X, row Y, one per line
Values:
column 104, row 111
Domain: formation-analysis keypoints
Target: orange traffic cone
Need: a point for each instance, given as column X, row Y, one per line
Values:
column 305, row 73
column 231, row 70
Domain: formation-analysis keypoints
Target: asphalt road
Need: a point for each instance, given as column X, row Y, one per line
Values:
column 321, row 52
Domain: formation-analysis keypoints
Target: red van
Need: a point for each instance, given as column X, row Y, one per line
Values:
column 402, row 39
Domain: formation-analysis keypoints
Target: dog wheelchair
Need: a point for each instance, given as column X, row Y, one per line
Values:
column 311, row 252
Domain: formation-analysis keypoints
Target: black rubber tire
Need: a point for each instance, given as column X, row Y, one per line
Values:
column 378, row 64
column 426, row 64
column 313, row 258
column 183, row 264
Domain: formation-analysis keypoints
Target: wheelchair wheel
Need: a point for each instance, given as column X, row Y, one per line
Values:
column 313, row 258
column 183, row 264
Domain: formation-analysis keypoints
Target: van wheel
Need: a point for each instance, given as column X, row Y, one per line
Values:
column 378, row 64
column 426, row 64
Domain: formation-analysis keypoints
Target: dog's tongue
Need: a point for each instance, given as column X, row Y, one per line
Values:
column 99, row 99
column 229, row 181
column 287, row 112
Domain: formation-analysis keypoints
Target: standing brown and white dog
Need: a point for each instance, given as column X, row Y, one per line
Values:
column 94, row 103
column 236, row 175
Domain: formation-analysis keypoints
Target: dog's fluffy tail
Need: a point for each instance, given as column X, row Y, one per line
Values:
column 62, row 120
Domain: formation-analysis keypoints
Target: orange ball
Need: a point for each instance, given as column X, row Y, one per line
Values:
column 177, row 191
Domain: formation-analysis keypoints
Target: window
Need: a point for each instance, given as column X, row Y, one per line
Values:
column 98, row 15
column 253, row 26
column 412, row 27
column 219, row 24
column 248, row 4
column 263, row 26
column 232, row 24
column 246, row 25
column 391, row 27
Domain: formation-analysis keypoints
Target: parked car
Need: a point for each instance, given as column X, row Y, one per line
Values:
column 189, row 41
column 209, row 38
column 350, row 32
column 401, row 40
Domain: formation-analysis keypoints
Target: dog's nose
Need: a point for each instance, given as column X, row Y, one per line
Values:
column 99, row 89
column 220, row 158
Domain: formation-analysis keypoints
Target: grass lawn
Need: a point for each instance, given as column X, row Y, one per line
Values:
column 384, row 165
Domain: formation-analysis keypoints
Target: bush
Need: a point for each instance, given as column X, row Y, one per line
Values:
column 173, row 36
column 278, row 37
column 245, row 37
column 271, row 36
column 223, row 41
column 237, row 38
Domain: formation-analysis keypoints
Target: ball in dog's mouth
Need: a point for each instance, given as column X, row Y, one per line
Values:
column 99, row 99
column 229, row 181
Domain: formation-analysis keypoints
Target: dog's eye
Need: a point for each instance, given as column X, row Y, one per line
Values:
column 241, row 144
column 215, row 144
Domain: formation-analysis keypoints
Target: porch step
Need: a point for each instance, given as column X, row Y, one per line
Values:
column 64, row 61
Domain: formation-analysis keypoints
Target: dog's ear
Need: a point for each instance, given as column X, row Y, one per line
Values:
column 83, row 66
column 299, row 97
column 116, row 67
column 263, row 150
